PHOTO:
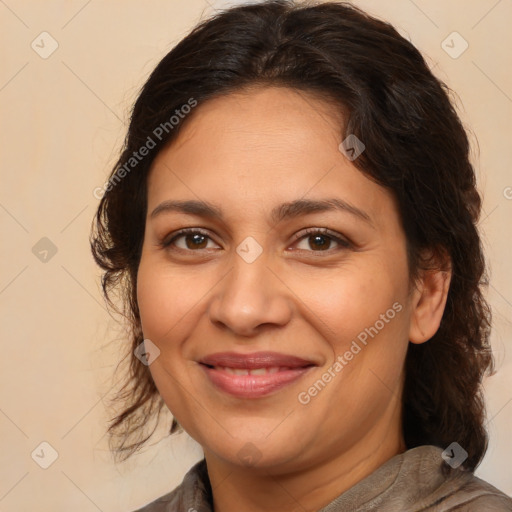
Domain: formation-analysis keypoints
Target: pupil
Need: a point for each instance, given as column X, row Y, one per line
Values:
column 196, row 240
column 320, row 237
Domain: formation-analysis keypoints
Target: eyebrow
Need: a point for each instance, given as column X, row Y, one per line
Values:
column 283, row 211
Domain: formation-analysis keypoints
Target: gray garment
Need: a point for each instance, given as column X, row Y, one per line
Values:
column 410, row 482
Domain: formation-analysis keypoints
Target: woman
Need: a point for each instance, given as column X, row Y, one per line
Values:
column 292, row 223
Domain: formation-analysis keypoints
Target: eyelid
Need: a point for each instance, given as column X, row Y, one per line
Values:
column 323, row 231
column 184, row 231
column 336, row 237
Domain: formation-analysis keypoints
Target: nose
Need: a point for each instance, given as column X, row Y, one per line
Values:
column 250, row 298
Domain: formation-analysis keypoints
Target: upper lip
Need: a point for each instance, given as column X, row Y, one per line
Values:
column 255, row 360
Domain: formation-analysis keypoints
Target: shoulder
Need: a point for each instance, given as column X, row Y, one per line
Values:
column 192, row 495
column 476, row 495
column 163, row 504
column 422, row 481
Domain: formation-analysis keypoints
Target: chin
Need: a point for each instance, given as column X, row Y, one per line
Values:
column 256, row 452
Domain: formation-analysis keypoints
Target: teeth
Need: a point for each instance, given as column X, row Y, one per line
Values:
column 255, row 371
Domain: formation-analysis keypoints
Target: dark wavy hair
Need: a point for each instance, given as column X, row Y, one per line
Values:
column 416, row 147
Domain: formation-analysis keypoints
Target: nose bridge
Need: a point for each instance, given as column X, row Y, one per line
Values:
column 250, row 294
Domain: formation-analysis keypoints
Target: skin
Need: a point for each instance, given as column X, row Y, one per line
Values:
column 247, row 153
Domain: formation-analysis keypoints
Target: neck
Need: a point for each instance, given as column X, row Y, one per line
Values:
column 308, row 488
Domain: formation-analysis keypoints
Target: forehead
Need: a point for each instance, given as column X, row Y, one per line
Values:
column 260, row 147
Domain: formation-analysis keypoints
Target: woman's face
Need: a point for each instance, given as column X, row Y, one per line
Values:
column 279, row 344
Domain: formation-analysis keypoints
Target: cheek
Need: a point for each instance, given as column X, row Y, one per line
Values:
column 152, row 297
column 345, row 302
column 165, row 311
column 164, row 297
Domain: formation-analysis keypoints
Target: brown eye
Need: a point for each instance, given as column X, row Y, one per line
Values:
column 321, row 242
column 193, row 239
column 196, row 241
column 318, row 240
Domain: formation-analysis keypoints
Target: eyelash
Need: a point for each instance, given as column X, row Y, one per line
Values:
column 166, row 243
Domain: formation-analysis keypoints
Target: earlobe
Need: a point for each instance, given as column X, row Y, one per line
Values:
column 428, row 304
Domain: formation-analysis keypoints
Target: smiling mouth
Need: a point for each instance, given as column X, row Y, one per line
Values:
column 253, row 375
column 255, row 371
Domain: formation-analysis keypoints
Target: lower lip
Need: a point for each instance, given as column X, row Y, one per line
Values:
column 253, row 386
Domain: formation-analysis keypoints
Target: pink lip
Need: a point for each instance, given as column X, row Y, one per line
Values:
column 254, row 360
column 290, row 368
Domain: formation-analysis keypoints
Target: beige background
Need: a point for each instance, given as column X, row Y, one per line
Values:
column 63, row 119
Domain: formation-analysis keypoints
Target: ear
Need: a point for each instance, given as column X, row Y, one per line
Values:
column 429, row 300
